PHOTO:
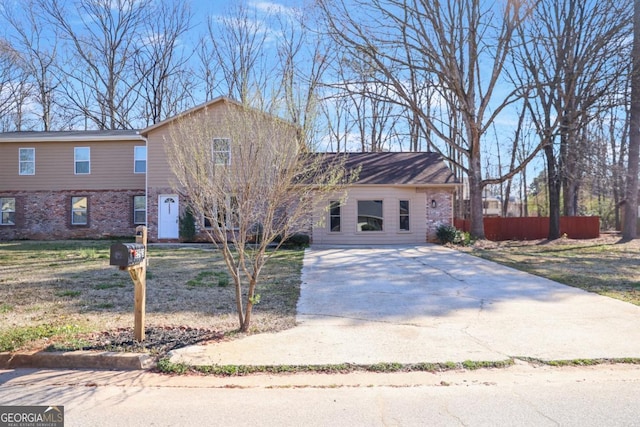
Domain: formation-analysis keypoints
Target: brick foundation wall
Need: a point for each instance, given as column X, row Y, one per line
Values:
column 46, row 215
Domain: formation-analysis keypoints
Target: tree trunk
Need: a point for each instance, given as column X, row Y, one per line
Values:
column 475, row 186
column 629, row 228
column 553, row 185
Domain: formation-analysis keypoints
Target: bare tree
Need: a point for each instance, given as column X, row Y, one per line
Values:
column 13, row 88
column 237, row 59
column 251, row 187
column 629, row 228
column 367, row 102
column 101, row 80
column 459, row 46
column 303, row 61
column 568, row 55
column 37, row 48
column 166, row 88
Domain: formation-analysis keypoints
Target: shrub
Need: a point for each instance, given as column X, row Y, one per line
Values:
column 446, row 233
column 449, row 234
column 298, row 240
column 188, row 226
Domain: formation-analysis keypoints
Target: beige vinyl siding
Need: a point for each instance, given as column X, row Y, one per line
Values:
column 391, row 233
column 111, row 167
column 158, row 167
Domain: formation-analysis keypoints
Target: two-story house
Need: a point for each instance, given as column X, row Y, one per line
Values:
column 92, row 184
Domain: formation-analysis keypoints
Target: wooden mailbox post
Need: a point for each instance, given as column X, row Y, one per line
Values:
column 133, row 258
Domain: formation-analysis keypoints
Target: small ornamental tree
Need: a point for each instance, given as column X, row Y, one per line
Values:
column 251, row 185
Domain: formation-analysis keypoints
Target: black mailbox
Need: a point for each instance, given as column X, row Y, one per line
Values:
column 126, row 254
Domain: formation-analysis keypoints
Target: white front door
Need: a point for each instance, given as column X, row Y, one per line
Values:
column 168, row 213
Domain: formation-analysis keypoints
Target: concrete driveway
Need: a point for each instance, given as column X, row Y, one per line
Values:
column 427, row 303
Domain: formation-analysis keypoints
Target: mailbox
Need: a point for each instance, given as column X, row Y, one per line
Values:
column 126, row 254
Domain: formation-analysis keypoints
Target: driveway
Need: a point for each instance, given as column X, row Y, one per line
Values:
column 428, row 303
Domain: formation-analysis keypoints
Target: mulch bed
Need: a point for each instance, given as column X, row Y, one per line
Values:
column 158, row 340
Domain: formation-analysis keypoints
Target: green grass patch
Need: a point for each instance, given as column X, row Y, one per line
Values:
column 68, row 293
column 104, row 286
column 5, row 308
column 209, row 279
column 15, row 338
column 69, row 344
column 583, row 362
column 104, row 306
column 168, row 367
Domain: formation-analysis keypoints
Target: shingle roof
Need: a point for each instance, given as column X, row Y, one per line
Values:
column 73, row 135
column 421, row 168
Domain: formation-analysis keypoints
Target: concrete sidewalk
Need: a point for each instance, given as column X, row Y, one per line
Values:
column 412, row 304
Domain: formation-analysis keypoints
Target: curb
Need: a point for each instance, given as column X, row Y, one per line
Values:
column 106, row 360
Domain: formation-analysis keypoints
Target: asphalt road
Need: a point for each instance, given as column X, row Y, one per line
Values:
column 523, row 395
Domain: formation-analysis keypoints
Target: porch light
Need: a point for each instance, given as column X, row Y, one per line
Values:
column 434, row 204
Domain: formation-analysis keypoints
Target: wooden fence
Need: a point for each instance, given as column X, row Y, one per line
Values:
column 533, row 228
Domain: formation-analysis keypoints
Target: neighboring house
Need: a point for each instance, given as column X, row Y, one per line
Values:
column 397, row 198
column 79, row 184
column 90, row 184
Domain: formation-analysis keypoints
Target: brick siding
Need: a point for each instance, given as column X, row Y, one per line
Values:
column 46, row 215
column 440, row 215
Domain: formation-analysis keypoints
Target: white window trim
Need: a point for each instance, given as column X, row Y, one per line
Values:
column 384, row 220
column 20, row 161
column 3, row 211
column 75, row 162
column 400, row 230
column 227, row 151
column 139, row 210
column 340, row 206
column 135, row 159
column 85, row 210
column 227, row 220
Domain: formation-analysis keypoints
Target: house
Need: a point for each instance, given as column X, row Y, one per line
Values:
column 91, row 184
column 220, row 121
column 397, row 198
column 78, row 184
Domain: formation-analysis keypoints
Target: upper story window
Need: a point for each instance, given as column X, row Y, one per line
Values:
column 27, row 161
column 82, row 160
column 140, row 159
column 221, row 150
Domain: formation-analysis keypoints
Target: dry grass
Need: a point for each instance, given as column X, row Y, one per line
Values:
column 605, row 265
column 70, row 284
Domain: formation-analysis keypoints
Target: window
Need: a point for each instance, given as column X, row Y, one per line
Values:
column 404, row 215
column 82, row 160
column 140, row 159
column 221, row 149
column 27, row 161
column 79, row 211
column 334, row 216
column 8, row 211
column 225, row 214
column 370, row 215
column 139, row 209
